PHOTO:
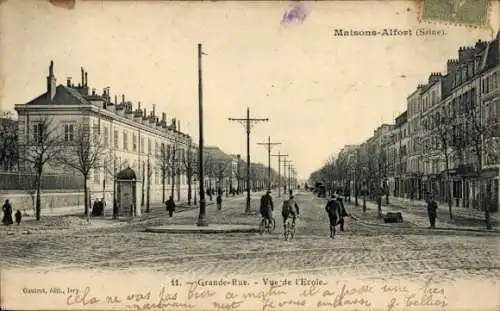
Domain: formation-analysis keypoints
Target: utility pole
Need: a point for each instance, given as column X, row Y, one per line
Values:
column 202, row 221
column 286, row 175
column 247, row 123
column 269, row 144
column 279, row 155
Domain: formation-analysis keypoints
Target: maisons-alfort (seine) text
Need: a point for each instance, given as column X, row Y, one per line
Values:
column 387, row 32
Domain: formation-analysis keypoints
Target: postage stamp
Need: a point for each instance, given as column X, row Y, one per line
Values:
column 464, row 12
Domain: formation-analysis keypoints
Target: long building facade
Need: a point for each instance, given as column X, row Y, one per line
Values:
column 447, row 141
column 131, row 138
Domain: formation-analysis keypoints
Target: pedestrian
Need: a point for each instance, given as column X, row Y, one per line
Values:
column 219, row 201
column 170, row 205
column 7, row 213
column 103, row 205
column 431, row 210
column 333, row 211
column 95, row 208
column 115, row 209
column 18, row 216
column 343, row 213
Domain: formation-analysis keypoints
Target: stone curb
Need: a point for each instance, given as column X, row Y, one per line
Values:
column 205, row 230
column 495, row 231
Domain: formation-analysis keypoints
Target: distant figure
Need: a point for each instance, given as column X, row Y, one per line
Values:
column 7, row 213
column 101, row 207
column 115, row 209
column 95, row 208
column 18, row 216
column 170, row 204
column 343, row 213
column 219, row 201
column 333, row 209
column 432, row 210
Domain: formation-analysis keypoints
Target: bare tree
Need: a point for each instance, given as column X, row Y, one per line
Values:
column 476, row 130
column 441, row 133
column 41, row 147
column 84, row 154
column 189, row 164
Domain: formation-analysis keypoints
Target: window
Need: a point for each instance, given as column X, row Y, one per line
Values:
column 125, row 141
column 149, row 145
column 68, row 132
column 156, row 176
column 115, row 138
column 37, row 132
column 134, row 142
column 156, row 149
column 105, row 136
column 142, row 146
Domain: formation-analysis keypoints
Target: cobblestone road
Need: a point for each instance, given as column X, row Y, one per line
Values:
column 364, row 251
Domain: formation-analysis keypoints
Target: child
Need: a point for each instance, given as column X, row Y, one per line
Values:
column 18, row 217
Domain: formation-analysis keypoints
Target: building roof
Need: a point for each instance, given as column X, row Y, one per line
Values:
column 64, row 96
column 126, row 174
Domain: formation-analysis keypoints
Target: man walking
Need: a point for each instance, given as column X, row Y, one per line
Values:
column 170, row 206
column 333, row 210
column 431, row 210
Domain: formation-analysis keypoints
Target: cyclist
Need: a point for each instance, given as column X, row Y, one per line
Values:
column 290, row 208
column 266, row 206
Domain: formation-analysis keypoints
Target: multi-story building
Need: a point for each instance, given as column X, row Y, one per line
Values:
column 130, row 137
column 447, row 142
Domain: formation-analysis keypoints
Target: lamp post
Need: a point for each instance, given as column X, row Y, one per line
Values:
column 202, row 221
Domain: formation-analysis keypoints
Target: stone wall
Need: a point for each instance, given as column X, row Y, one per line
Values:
column 50, row 200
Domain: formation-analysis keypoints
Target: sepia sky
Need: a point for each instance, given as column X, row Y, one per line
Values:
column 319, row 91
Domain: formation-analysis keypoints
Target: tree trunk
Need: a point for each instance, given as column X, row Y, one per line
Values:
column 86, row 194
column 38, row 197
column 364, row 202
column 449, row 185
column 189, row 180
column 172, row 187
column 163, row 185
column 178, row 185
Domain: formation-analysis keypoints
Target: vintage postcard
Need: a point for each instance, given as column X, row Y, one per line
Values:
column 260, row 155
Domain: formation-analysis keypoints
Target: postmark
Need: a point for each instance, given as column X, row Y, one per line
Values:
column 296, row 13
column 472, row 13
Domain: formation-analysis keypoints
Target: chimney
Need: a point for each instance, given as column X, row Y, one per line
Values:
column 68, row 81
column 154, row 106
column 51, row 83
column 83, row 76
column 86, row 80
column 116, row 100
column 174, row 125
column 179, row 125
column 93, row 92
column 164, row 116
column 139, row 106
column 144, row 115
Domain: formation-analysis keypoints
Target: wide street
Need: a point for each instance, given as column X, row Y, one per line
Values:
column 362, row 250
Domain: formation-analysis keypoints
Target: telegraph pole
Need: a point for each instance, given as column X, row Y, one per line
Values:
column 269, row 144
column 247, row 123
column 202, row 221
column 286, row 175
column 279, row 155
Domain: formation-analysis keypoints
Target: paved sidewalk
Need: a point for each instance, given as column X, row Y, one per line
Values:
column 417, row 216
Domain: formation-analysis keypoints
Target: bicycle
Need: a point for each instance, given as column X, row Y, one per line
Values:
column 289, row 230
column 266, row 225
